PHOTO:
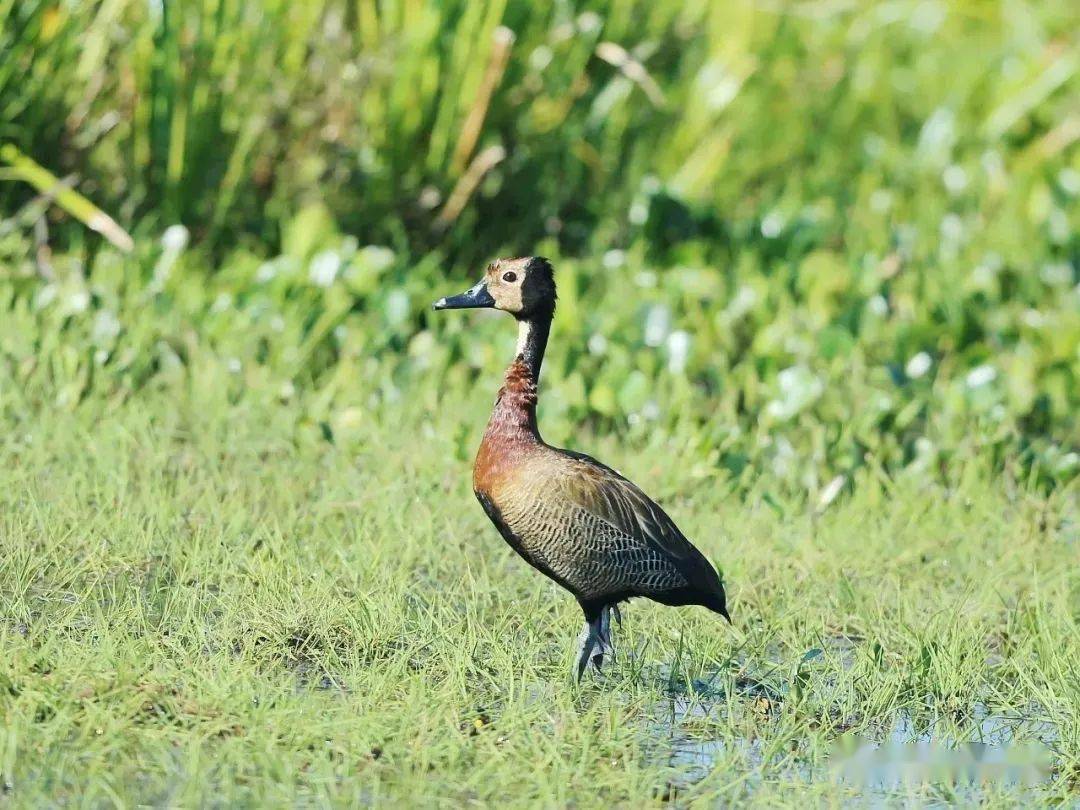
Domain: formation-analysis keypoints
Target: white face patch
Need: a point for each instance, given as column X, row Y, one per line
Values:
column 507, row 294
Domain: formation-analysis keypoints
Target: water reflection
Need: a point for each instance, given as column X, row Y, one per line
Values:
column 1004, row 750
column 700, row 727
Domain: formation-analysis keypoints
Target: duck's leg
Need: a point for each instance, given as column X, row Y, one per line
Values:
column 592, row 643
column 589, row 644
column 606, row 647
column 595, row 639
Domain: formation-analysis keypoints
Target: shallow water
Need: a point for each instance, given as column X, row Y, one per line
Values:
column 1002, row 751
column 989, row 753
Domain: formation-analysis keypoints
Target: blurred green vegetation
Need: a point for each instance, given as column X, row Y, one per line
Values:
column 808, row 238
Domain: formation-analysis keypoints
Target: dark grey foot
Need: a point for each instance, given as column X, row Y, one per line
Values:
column 596, row 641
column 587, row 648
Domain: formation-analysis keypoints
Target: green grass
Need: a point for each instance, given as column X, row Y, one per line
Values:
column 202, row 604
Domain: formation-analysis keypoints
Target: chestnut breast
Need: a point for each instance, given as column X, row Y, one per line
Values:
column 511, row 441
column 535, row 495
column 543, row 501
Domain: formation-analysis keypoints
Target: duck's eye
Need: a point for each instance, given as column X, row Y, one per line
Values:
column 510, row 277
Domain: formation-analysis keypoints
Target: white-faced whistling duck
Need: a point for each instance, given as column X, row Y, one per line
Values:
column 572, row 518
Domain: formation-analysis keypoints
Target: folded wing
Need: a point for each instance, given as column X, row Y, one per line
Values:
column 616, row 500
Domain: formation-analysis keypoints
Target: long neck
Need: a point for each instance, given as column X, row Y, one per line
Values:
column 532, row 341
column 515, row 409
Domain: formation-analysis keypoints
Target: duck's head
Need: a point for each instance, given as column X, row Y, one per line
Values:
column 524, row 287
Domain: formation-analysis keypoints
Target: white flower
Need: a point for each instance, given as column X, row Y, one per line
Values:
column 678, row 346
column 588, row 22
column 918, row 365
column 657, row 325
column 981, row 375
column 1068, row 462
column 1069, row 180
column 742, row 303
column 650, row 184
column 1057, row 223
column 540, row 58
column 832, row 489
column 324, row 268
column 175, row 239
column 799, row 388
column 429, row 198
column 772, row 225
column 614, row 259
column 881, row 200
column 952, row 228
column 927, row 17
column 992, row 163
column 106, row 327
column 938, row 134
column 1033, row 319
column 955, row 179
column 78, row 301
column 722, row 93
column 397, row 306
column 645, row 278
column 376, row 257
column 45, row 296
column 1056, row 274
column 783, row 457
